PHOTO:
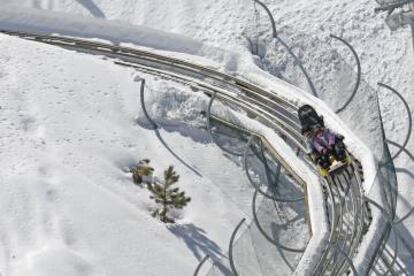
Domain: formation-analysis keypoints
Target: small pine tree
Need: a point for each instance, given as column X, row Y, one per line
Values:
column 167, row 197
column 141, row 170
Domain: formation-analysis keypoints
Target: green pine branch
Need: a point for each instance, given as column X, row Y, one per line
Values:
column 166, row 197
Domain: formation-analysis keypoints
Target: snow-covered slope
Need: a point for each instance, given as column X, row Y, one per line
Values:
column 68, row 205
column 218, row 22
column 385, row 56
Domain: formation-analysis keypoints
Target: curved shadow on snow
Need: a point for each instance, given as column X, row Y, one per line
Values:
column 408, row 172
column 271, row 178
column 358, row 81
column 92, row 8
column 273, row 240
column 410, row 120
column 158, row 134
column 300, row 64
column 200, row 265
column 209, row 126
column 155, row 127
column 280, row 250
column 286, row 46
column 194, row 133
column 403, row 170
column 196, row 239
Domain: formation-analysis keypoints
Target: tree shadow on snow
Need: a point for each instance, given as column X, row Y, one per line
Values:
column 199, row 243
column 92, row 8
column 196, row 240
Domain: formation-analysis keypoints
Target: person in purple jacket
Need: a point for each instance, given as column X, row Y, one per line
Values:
column 322, row 142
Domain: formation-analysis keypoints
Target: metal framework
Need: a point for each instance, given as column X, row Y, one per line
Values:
column 404, row 15
column 279, row 114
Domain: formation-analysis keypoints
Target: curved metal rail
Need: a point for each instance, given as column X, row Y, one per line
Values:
column 265, row 146
column 387, row 262
column 393, row 191
column 271, row 109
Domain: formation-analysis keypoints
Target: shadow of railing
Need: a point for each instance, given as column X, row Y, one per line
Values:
column 362, row 103
column 262, row 246
column 155, row 127
column 92, row 8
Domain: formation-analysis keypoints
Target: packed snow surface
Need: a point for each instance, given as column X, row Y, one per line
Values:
column 71, row 127
column 386, row 56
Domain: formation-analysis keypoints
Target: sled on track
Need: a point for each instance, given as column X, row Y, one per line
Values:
column 337, row 166
column 333, row 162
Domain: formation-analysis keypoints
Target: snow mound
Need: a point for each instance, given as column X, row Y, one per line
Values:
column 55, row 261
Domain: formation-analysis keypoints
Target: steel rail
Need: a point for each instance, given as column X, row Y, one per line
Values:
column 142, row 103
column 331, row 251
column 340, row 228
column 137, row 56
column 318, row 269
column 285, row 115
column 349, row 260
column 106, row 48
column 362, row 206
column 270, row 120
column 359, row 214
column 264, row 142
column 353, row 236
column 272, row 151
column 343, row 233
column 270, row 107
column 273, row 24
column 359, row 219
column 331, row 263
column 344, row 260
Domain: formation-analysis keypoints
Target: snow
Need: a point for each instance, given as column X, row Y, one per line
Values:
column 317, row 212
column 213, row 21
column 68, row 203
column 385, row 57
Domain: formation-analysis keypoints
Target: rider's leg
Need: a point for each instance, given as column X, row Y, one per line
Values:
column 339, row 150
column 323, row 161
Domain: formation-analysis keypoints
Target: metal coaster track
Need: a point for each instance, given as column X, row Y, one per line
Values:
column 347, row 209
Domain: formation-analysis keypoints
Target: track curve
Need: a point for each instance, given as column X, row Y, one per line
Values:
column 347, row 215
